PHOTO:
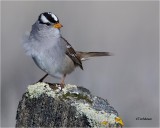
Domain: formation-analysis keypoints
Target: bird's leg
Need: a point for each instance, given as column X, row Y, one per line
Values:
column 41, row 80
column 62, row 81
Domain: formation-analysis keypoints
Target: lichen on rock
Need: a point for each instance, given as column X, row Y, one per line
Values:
column 34, row 91
column 98, row 111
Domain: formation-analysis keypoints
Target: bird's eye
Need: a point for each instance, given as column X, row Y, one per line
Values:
column 48, row 24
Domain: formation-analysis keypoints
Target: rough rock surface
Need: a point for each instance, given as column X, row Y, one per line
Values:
column 44, row 105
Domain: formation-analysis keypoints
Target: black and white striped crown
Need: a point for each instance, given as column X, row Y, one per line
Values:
column 48, row 18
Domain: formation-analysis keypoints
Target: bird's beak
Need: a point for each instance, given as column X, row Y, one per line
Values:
column 57, row 25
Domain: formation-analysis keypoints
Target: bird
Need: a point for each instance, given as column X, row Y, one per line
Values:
column 51, row 52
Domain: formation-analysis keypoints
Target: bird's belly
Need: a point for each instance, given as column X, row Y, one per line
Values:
column 50, row 65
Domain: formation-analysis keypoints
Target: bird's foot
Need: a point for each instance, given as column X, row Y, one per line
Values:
column 55, row 86
column 62, row 85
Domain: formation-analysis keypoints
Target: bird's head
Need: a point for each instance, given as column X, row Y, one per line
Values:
column 49, row 19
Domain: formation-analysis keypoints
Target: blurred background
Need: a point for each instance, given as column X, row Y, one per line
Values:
column 128, row 80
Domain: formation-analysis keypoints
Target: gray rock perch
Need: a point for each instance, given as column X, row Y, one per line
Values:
column 44, row 105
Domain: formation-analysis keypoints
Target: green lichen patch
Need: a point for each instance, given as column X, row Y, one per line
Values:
column 76, row 96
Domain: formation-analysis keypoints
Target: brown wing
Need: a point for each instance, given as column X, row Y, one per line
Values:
column 72, row 54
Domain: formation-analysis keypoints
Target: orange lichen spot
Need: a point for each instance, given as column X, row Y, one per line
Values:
column 119, row 121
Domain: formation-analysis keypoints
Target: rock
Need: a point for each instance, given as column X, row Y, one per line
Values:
column 45, row 105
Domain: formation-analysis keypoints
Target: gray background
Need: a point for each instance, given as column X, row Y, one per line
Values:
column 129, row 79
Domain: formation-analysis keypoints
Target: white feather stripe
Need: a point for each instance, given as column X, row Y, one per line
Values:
column 44, row 19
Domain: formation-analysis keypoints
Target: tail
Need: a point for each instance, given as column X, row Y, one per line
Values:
column 87, row 55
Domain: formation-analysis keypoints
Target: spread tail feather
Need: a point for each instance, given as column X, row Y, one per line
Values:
column 86, row 55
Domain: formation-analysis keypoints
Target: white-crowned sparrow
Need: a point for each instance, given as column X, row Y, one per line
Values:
column 50, row 51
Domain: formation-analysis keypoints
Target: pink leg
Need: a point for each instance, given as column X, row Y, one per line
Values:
column 62, row 81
